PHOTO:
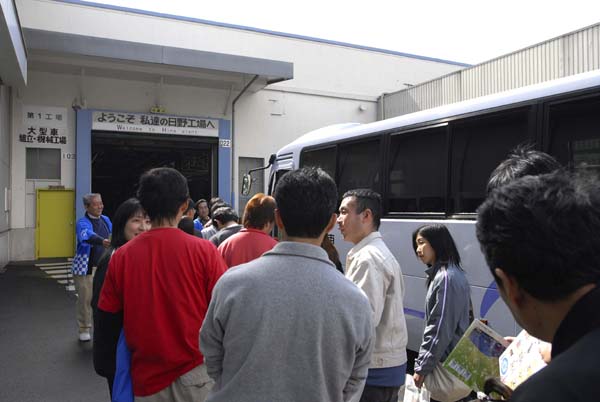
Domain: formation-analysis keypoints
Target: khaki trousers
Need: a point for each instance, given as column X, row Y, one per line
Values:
column 84, row 288
column 193, row 386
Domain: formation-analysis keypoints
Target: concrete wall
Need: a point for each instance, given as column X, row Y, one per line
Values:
column 270, row 119
column 332, row 84
column 317, row 66
column 59, row 90
column 568, row 54
column 23, row 200
column 265, row 121
column 4, row 174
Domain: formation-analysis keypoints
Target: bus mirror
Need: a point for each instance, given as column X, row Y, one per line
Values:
column 246, row 184
column 247, row 178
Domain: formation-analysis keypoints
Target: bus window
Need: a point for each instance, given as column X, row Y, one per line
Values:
column 574, row 133
column 271, row 188
column 323, row 158
column 417, row 171
column 359, row 166
column 478, row 146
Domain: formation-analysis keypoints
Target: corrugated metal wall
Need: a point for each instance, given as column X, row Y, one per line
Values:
column 566, row 55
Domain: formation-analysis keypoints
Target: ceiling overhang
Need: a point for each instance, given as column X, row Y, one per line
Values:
column 13, row 55
column 77, row 54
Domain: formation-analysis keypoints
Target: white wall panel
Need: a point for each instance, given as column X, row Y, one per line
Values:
column 318, row 66
column 331, row 83
column 570, row 54
column 260, row 129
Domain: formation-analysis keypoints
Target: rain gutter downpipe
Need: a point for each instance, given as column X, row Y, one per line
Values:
column 233, row 136
column 381, row 105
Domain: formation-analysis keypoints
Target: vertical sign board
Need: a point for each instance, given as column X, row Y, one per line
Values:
column 44, row 125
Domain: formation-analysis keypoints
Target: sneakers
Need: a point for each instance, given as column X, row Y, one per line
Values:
column 84, row 336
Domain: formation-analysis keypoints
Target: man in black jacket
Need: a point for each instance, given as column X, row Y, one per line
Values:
column 225, row 219
column 540, row 237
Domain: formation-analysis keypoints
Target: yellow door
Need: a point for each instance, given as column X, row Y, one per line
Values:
column 55, row 229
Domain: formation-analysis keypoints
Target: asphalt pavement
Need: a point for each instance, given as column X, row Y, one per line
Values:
column 41, row 358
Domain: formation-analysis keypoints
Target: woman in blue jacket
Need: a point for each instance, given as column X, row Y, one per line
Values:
column 447, row 307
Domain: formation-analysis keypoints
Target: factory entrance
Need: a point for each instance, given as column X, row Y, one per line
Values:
column 118, row 160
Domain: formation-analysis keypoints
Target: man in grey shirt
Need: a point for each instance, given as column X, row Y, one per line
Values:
column 288, row 326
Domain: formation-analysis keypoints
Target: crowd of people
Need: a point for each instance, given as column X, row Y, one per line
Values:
column 188, row 303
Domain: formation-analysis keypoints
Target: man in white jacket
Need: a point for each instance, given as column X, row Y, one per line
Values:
column 372, row 267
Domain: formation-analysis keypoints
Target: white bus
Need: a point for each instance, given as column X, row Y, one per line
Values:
column 433, row 166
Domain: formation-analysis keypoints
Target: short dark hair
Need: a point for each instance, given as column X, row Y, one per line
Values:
column 161, row 192
column 259, row 211
column 441, row 241
column 190, row 206
column 217, row 205
column 543, row 231
column 306, row 199
column 225, row 215
column 367, row 199
column 215, row 200
column 200, row 201
column 124, row 212
column 187, row 225
column 521, row 161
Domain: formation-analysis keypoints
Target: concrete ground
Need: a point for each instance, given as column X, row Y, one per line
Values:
column 41, row 356
column 42, row 359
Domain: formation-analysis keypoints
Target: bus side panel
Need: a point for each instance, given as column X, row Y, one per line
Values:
column 414, row 309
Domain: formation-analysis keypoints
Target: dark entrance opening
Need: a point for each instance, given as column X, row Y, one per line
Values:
column 118, row 160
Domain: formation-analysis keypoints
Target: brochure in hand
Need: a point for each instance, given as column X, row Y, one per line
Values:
column 475, row 357
column 521, row 359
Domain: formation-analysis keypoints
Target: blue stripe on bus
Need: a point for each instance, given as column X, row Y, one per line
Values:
column 414, row 313
column 489, row 298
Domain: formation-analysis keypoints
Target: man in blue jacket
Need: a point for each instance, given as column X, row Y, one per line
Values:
column 93, row 232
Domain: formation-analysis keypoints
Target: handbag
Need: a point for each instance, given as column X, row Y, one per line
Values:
column 444, row 386
column 412, row 393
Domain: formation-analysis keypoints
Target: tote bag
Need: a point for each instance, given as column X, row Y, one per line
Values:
column 445, row 387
